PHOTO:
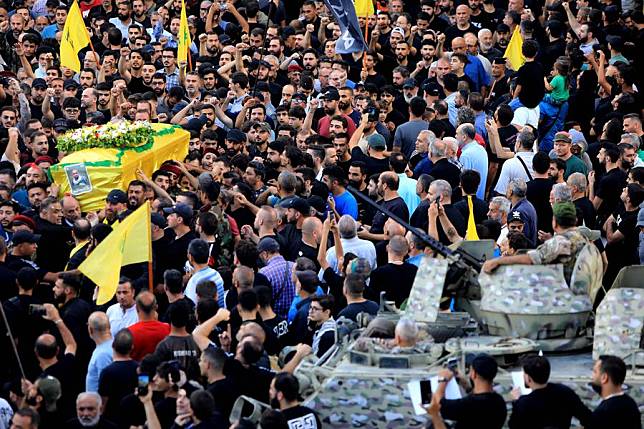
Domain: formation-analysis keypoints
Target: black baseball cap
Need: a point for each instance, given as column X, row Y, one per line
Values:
column 39, row 83
column 330, row 93
column 183, row 210
column 410, row 83
column 24, row 237
column 116, row 196
column 299, row 204
column 71, row 83
column 235, row 135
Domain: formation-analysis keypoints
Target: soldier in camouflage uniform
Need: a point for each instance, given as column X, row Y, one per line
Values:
column 563, row 248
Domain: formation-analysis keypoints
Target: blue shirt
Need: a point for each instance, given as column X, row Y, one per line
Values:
column 101, row 357
column 415, row 260
column 474, row 157
column 475, row 71
column 424, row 166
column 407, row 191
column 345, row 203
column 50, row 31
column 293, row 310
column 208, row 274
column 479, row 124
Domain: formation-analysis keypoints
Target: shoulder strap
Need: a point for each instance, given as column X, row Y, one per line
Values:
column 525, row 167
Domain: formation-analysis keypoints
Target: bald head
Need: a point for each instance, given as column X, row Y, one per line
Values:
column 98, row 323
column 267, row 217
column 251, row 329
column 243, row 278
column 398, row 246
column 393, row 228
column 458, row 43
column 146, row 303
column 311, row 225
column 46, row 346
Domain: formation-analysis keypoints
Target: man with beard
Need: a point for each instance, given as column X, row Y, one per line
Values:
column 88, row 409
column 483, row 404
column 103, row 100
column 603, row 196
column 212, row 45
column 477, row 18
column 135, row 194
column 486, row 45
column 8, row 210
column 259, row 135
column 133, row 75
column 331, row 99
column 74, row 311
column 548, row 404
column 346, row 104
column 617, row 408
column 433, row 21
column 123, row 18
column 428, row 54
column 284, row 393
column 499, row 87
column 502, row 37
column 404, row 56
column 140, row 14
column 254, row 177
column 192, row 84
column 38, row 93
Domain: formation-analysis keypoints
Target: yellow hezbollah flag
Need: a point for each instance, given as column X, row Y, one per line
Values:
column 471, row 234
column 513, row 51
column 129, row 243
column 74, row 39
column 184, row 35
column 364, row 8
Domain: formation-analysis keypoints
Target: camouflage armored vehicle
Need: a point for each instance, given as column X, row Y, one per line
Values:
column 515, row 311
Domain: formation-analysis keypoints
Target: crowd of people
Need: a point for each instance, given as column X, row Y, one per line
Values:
column 263, row 236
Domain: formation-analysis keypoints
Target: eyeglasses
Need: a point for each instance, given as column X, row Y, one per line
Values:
column 311, row 308
column 72, row 110
column 471, row 46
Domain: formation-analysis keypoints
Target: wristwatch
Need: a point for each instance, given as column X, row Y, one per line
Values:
column 443, row 380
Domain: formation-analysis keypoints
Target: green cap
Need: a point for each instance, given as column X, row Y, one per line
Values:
column 565, row 213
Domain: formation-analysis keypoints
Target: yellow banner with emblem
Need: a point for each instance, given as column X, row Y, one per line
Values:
column 90, row 174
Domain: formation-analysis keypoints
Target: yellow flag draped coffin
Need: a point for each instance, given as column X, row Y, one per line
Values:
column 116, row 151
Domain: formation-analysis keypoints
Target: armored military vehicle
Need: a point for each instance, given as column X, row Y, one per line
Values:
column 515, row 311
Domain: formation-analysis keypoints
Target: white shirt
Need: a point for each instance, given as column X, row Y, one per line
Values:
column 524, row 116
column 120, row 319
column 513, row 169
column 361, row 248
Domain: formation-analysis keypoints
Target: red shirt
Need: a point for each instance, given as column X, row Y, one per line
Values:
column 147, row 335
column 325, row 122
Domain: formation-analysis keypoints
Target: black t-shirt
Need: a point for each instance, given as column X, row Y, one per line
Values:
column 624, row 252
column 616, row 412
column 374, row 165
column 395, row 280
column 587, row 210
column 445, row 170
column 253, row 381
column 553, row 406
column 116, row 381
column 352, row 310
column 136, row 85
column 103, row 423
column 300, row 416
column 396, row 206
column 530, row 77
column 453, row 32
column 66, row 371
column 609, row 189
column 177, row 250
column 182, row 349
column 480, row 209
column 307, row 251
column 292, row 237
column 538, row 193
column 225, row 394
column 474, row 410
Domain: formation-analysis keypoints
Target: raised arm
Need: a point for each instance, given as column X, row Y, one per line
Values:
column 359, row 132
column 53, row 315
column 308, row 120
column 124, row 63
column 201, row 333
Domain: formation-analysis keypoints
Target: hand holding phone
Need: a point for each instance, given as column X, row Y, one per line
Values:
column 426, row 392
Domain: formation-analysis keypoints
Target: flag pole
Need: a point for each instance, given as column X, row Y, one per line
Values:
column 91, row 45
column 366, row 37
column 150, row 267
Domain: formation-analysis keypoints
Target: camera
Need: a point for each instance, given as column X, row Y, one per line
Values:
column 37, row 310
